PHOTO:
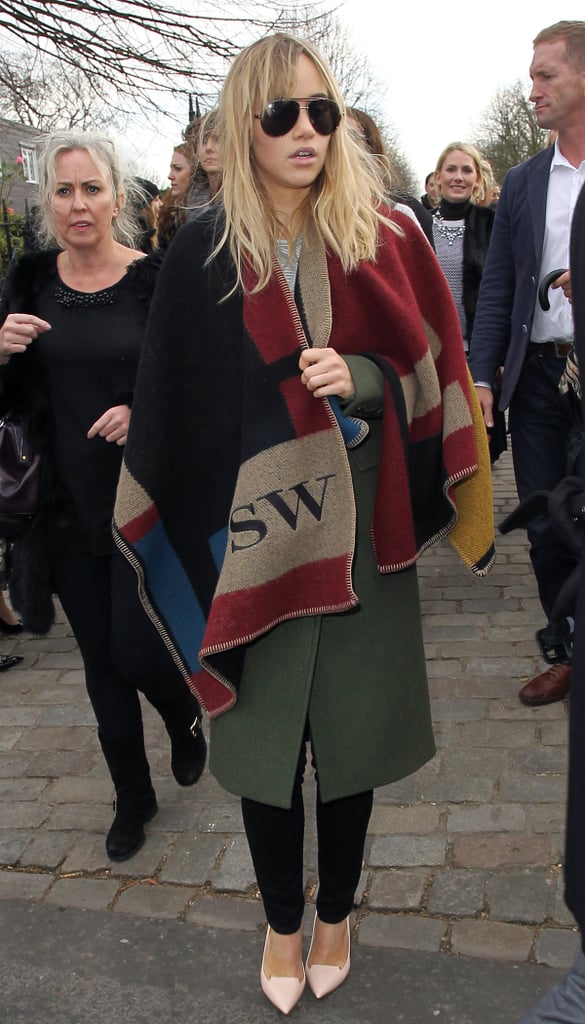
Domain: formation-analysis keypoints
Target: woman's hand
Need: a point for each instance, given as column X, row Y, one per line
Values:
column 113, row 425
column 17, row 332
column 324, row 372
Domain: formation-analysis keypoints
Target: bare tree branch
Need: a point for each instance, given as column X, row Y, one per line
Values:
column 509, row 132
column 146, row 45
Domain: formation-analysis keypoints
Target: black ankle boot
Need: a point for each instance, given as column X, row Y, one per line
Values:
column 126, row 835
column 183, row 721
column 135, row 802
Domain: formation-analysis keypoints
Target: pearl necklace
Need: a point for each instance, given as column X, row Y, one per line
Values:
column 450, row 233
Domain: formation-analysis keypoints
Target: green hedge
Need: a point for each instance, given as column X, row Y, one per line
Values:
column 15, row 227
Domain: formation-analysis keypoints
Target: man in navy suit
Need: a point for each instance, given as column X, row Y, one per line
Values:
column 530, row 239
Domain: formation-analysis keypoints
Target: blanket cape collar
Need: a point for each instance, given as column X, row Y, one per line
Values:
column 284, row 546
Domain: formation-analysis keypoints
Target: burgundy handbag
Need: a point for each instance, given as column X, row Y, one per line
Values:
column 19, row 478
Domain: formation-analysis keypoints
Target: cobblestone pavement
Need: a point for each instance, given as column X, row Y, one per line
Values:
column 462, row 858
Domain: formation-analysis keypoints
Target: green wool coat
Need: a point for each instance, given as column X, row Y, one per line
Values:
column 357, row 677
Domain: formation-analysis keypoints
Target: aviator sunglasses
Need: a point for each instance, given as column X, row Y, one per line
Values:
column 280, row 116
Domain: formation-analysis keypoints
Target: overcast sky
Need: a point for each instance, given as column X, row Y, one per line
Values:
column 439, row 65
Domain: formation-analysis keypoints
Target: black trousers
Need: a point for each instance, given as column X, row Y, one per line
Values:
column 540, row 427
column 122, row 651
column 275, row 836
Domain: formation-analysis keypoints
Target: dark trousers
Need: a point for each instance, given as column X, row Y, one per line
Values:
column 575, row 830
column 121, row 649
column 275, row 836
column 540, row 426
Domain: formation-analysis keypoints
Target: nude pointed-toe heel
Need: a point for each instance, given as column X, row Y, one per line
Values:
column 283, row 992
column 322, row 978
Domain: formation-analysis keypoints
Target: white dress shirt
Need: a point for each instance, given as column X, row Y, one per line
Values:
column 564, row 185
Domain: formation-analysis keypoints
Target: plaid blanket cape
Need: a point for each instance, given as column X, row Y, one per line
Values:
column 235, row 502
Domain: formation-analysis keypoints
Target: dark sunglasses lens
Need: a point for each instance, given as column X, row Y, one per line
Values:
column 324, row 115
column 279, row 117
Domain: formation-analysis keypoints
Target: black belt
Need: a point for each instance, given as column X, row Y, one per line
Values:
column 560, row 349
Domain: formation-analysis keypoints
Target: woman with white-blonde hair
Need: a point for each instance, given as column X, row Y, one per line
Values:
column 73, row 318
column 286, row 462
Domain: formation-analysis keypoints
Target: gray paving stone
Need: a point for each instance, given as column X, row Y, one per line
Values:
column 47, row 850
column 61, row 660
column 13, row 765
column 22, row 814
column 514, row 710
column 534, row 789
column 27, row 716
column 234, row 912
column 452, row 790
column 545, row 818
column 486, row 818
column 407, row 851
column 28, row 686
column 176, row 817
column 235, row 872
column 148, row 898
column 193, row 858
column 50, row 644
column 490, row 940
column 402, row 792
column 77, row 789
column 456, row 710
column 74, row 678
column 540, row 761
column 21, row 789
column 96, row 817
column 475, row 763
column 84, row 893
column 488, row 733
column 465, row 687
column 57, row 738
column 456, row 892
column 21, row 885
column 222, row 817
column 401, row 931
column 69, row 714
column 12, row 845
column 9, row 736
column 523, row 896
column 557, row 947
column 554, row 733
column 502, row 850
column 57, row 763
column 88, row 855
column 398, row 889
column 418, row 820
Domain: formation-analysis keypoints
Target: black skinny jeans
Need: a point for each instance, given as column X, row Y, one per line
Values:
column 275, row 836
column 121, row 649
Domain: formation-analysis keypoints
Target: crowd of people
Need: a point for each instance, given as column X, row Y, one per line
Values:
column 312, row 334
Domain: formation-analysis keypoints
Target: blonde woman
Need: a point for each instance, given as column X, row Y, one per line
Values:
column 462, row 228
column 72, row 322
column 287, row 387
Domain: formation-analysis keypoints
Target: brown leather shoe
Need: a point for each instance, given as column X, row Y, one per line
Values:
column 549, row 686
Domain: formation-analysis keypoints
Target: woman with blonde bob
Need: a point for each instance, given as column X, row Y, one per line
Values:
column 286, row 463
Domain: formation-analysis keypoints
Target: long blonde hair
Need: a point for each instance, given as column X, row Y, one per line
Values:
column 343, row 203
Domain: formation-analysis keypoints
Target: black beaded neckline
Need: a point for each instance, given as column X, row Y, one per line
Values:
column 82, row 300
